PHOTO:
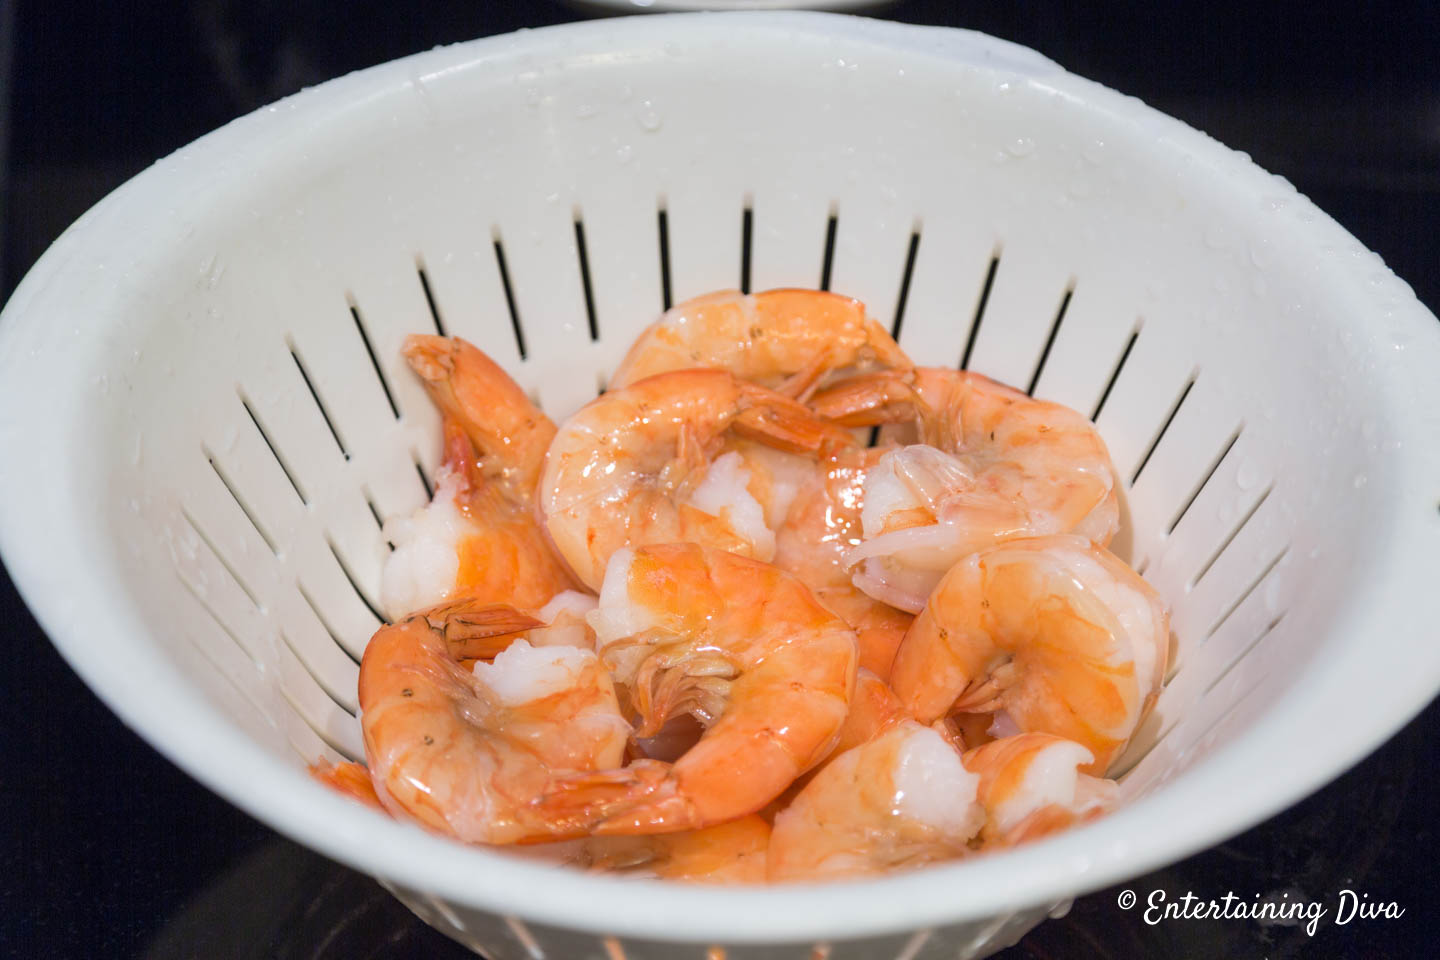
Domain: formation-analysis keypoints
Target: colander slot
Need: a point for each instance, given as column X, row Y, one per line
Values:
column 662, row 223
column 316, row 710
column 370, row 605
column 585, row 277
column 229, row 671
column 1246, row 593
column 375, row 512
column 985, row 289
column 1224, row 544
column 509, row 294
column 747, row 244
column 315, row 395
column 1225, row 713
column 904, row 294
column 527, row 939
column 224, row 628
column 374, row 360
column 1050, row 340
column 244, row 507
column 225, row 564
column 264, row 435
column 1249, row 649
column 1115, row 373
column 325, row 623
column 1169, row 419
column 430, row 297
column 1214, row 465
column 336, row 696
column 827, row 261
column 424, row 478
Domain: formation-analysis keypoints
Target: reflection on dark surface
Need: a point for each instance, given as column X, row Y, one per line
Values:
column 109, row 851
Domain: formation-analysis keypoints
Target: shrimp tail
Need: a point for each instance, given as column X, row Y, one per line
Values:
column 349, row 778
column 871, row 399
column 474, row 630
column 785, row 424
column 639, row 798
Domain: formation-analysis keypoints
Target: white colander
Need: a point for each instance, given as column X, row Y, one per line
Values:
column 204, row 414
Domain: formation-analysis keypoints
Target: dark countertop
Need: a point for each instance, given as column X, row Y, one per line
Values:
column 106, row 850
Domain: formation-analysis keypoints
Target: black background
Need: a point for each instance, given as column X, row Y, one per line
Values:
column 109, row 851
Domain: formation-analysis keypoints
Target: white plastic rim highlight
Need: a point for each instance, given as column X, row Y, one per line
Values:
column 86, row 427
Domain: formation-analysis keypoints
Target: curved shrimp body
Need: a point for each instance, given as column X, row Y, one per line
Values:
column 993, row 464
column 634, row 467
column 730, row 852
column 1031, row 785
column 741, row 646
column 783, row 339
column 821, row 527
column 477, row 538
column 1051, row 635
column 901, row 799
column 467, row 753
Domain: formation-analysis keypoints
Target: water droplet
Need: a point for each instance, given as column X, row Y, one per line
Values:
column 1260, row 254
column 1094, row 151
column 1020, row 147
column 1359, row 481
column 623, row 153
column 533, row 96
column 649, row 119
column 586, row 110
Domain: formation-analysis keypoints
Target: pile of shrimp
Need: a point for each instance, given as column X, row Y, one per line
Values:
column 703, row 630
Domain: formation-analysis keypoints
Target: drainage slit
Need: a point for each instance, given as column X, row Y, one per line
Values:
column 425, row 481
column 315, row 395
column 205, row 539
column 244, row 507
column 374, row 359
column 1231, row 538
column 194, row 592
column 828, row 262
column 747, row 234
column 1050, row 340
column 375, row 512
column 1259, row 681
column 1249, row 648
column 905, row 283
column 1215, row 465
column 274, row 452
column 354, row 584
column 1170, row 418
column 305, row 595
column 663, row 223
column 585, row 277
column 430, row 297
column 1115, row 374
column 1244, row 596
column 324, row 687
column 509, row 296
column 980, row 310
column 324, row 737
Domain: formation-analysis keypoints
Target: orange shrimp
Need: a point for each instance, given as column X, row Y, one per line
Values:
column 901, row 799
column 349, row 778
column 634, row 467
column 1051, row 635
column 478, row 537
column 743, row 647
column 1031, row 786
column 821, row 527
column 730, row 852
column 787, row 340
column 467, row 753
column 991, row 464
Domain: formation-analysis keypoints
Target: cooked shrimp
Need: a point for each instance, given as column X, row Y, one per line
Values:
column 783, row 339
column 467, row 753
column 477, row 538
column 634, row 467
column 993, row 465
column 821, row 526
column 873, row 708
column 744, row 648
column 901, row 799
column 1049, row 635
column 1031, row 785
column 731, row 852
column 351, row 779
